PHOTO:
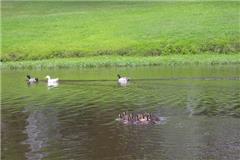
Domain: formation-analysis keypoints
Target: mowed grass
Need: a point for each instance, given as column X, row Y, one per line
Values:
column 43, row 30
column 126, row 61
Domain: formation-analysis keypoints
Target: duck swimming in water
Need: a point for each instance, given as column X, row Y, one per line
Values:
column 52, row 82
column 31, row 79
column 122, row 80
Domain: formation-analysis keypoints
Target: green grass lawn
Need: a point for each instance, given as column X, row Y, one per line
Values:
column 42, row 30
column 124, row 61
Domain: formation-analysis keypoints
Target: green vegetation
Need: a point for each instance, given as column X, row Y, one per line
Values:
column 43, row 30
column 105, row 61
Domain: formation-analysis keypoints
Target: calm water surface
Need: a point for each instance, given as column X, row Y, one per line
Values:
column 76, row 120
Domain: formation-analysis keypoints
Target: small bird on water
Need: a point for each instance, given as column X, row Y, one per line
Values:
column 52, row 82
column 122, row 80
column 32, row 79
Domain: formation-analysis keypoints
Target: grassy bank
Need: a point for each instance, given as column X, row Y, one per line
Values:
column 44, row 30
column 108, row 61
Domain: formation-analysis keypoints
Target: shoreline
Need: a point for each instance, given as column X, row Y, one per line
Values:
column 125, row 61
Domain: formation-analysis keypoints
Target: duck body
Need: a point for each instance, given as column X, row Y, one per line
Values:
column 55, row 80
column 32, row 79
column 122, row 80
column 52, row 82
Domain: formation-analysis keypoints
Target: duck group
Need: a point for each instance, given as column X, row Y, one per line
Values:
column 53, row 82
column 124, row 117
column 50, row 81
column 139, row 118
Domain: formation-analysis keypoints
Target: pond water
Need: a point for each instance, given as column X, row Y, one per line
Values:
column 76, row 120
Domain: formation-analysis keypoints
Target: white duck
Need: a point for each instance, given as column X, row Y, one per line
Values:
column 122, row 80
column 55, row 80
column 31, row 79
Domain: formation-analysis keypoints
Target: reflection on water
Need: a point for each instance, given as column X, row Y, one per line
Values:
column 52, row 85
column 76, row 119
column 41, row 128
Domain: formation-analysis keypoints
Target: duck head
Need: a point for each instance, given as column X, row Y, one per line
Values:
column 118, row 75
column 28, row 76
column 48, row 77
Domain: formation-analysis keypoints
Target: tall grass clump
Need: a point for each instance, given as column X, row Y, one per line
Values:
column 123, row 61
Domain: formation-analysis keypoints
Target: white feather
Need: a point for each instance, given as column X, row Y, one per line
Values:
column 123, row 80
column 55, row 80
column 32, row 80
